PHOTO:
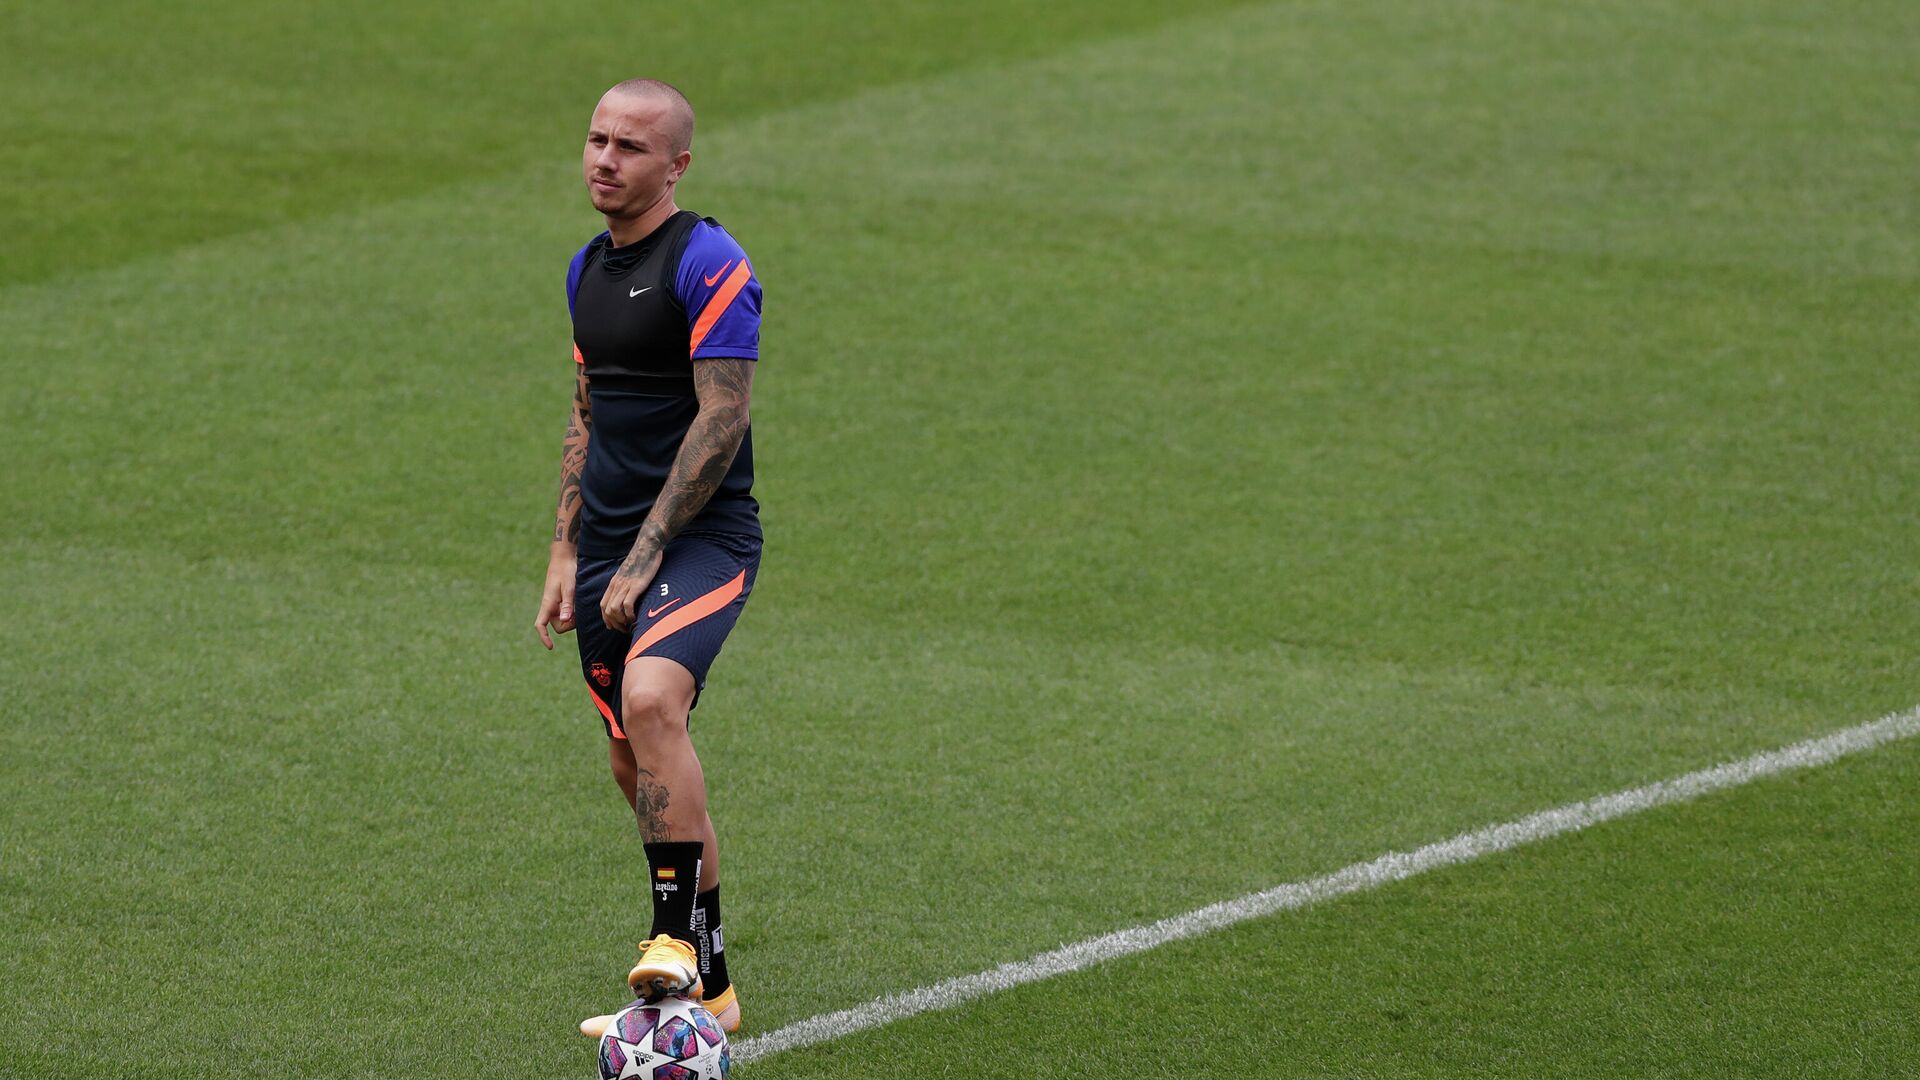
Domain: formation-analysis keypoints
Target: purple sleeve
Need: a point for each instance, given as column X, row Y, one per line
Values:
column 574, row 269
column 721, row 294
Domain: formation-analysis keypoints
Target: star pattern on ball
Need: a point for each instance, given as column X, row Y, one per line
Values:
column 706, row 1062
column 641, row 1058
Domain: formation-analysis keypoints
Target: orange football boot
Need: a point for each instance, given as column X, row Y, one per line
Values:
column 668, row 967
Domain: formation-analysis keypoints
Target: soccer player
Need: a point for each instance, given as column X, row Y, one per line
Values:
column 657, row 537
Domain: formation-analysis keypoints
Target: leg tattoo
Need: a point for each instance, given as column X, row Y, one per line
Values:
column 650, row 798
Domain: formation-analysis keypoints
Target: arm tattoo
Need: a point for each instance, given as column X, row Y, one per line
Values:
column 573, row 461
column 723, row 387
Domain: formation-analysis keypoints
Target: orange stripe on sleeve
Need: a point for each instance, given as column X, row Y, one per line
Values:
column 717, row 306
column 692, row 613
column 577, row 358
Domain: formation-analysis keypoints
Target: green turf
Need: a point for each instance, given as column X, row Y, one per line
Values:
column 1767, row 931
column 133, row 129
column 1196, row 453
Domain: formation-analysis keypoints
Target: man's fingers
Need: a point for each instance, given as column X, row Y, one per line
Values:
column 613, row 605
column 540, row 622
column 616, row 609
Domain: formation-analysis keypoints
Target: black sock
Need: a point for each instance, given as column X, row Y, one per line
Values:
column 673, row 872
column 710, row 944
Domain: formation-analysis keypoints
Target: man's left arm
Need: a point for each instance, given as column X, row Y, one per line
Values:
column 724, row 387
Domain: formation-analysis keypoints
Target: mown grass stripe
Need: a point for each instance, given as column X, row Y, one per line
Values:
column 1391, row 867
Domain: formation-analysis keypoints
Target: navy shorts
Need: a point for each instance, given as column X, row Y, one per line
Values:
column 684, row 615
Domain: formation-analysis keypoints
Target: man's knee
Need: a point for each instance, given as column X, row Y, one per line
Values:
column 650, row 711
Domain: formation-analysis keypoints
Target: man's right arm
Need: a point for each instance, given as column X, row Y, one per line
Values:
column 573, row 462
column 556, row 600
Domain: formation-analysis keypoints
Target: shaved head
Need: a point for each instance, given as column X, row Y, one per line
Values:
column 636, row 151
column 676, row 120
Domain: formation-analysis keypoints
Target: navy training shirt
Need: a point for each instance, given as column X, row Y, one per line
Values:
column 643, row 314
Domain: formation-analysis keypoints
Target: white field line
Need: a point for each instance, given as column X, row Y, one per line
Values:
column 1391, row 867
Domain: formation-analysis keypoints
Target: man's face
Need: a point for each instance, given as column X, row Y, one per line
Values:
column 629, row 161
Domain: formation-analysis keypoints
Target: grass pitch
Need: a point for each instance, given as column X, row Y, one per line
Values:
column 1196, row 454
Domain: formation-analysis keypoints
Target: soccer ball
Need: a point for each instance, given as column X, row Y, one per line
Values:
column 671, row 1039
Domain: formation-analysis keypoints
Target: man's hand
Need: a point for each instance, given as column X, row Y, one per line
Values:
column 617, row 604
column 556, row 600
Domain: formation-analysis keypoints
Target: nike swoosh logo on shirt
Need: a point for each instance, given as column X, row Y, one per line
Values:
column 665, row 606
column 631, row 293
column 717, row 273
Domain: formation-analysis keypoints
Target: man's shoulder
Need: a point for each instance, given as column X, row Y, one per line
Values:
column 709, row 240
column 579, row 265
column 710, row 252
column 579, row 262
column 719, row 290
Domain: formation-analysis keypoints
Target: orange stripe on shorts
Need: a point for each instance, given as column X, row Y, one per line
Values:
column 612, row 724
column 692, row 613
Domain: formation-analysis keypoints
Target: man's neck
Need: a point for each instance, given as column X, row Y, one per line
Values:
column 624, row 231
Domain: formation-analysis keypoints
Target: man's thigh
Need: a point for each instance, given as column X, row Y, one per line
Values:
column 694, row 601
column 602, row 649
column 684, row 616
